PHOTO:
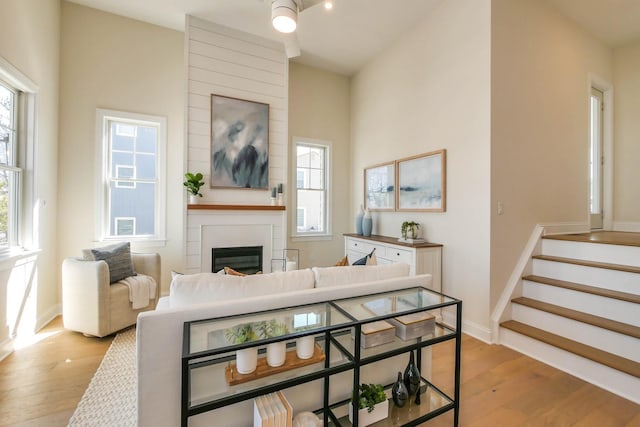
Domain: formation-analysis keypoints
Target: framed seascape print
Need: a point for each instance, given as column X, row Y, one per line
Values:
column 421, row 182
column 239, row 143
column 379, row 187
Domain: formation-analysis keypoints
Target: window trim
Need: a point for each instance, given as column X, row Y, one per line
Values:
column 297, row 236
column 103, row 116
column 28, row 205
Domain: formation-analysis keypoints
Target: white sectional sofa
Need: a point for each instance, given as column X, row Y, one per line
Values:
column 208, row 295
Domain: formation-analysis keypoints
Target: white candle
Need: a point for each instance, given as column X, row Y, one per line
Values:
column 292, row 265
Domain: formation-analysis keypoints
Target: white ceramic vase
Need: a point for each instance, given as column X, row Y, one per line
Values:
column 247, row 360
column 305, row 347
column 276, row 353
column 194, row 199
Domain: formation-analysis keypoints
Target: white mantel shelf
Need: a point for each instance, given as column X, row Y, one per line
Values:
column 202, row 206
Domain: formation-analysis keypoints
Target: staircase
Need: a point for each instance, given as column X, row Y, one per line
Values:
column 579, row 311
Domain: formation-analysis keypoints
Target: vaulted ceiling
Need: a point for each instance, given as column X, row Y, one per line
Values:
column 346, row 38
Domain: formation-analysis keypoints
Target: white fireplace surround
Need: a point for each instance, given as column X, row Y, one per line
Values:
column 215, row 229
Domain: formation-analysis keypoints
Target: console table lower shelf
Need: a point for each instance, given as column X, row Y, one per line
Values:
column 433, row 402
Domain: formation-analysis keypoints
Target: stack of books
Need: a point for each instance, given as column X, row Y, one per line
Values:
column 272, row 410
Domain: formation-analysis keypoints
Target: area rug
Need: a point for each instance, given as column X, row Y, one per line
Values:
column 110, row 399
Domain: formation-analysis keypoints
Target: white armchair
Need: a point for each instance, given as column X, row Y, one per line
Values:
column 93, row 306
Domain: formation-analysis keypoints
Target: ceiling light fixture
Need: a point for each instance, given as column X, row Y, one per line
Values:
column 284, row 15
column 328, row 4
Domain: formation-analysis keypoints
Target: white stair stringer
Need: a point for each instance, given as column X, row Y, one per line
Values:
column 612, row 342
column 610, row 308
column 621, row 281
column 617, row 382
column 614, row 254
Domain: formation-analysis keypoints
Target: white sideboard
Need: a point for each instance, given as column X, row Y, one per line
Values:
column 423, row 258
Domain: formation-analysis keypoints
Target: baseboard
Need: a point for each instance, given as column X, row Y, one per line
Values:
column 565, row 228
column 479, row 332
column 6, row 348
column 632, row 227
column 48, row 316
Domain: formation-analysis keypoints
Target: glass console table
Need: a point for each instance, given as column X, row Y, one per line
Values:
column 210, row 377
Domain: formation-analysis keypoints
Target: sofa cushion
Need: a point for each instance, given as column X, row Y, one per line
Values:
column 339, row 276
column 118, row 258
column 201, row 288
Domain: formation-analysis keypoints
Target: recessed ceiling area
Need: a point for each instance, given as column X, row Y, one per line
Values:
column 344, row 39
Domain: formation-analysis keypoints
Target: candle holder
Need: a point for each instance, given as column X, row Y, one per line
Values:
column 292, row 259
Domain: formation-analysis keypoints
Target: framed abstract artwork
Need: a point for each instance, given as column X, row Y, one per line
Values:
column 379, row 187
column 422, row 182
column 239, row 143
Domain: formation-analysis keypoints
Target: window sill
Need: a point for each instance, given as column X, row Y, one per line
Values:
column 9, row 259
column 310, row 238
column 136, row 244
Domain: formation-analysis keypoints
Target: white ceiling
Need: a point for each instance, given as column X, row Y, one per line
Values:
column 346, row 38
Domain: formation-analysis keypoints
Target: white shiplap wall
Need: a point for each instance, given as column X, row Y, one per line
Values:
column 227, row 62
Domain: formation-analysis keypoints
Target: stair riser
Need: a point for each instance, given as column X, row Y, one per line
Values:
column 621, row 281
column 621, row 311
column 617, row 382
column 609, row 341
column 615, row 254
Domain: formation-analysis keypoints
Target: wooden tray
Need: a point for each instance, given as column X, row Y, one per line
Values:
column 264, row 370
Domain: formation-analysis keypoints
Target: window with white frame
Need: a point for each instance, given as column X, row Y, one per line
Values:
column 18, row 208
column 312, row 187
column 10, row 172
column 132, row 183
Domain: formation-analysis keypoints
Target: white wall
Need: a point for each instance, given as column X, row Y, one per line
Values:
column 427, row 91
column 29, row 41
column 626, row 82
column 108, row 61
column 540, row 70
column 227, row 62
column 319, row 109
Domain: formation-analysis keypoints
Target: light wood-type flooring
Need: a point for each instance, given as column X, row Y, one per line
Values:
column 40, row 385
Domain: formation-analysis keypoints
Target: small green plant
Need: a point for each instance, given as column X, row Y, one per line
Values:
column 409, row 228
column 241, row 334
column 193, row 183
column 271, row 329
column 369, row 395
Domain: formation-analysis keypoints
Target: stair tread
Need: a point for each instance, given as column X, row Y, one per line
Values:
column 609, row 293
column 601, row 322
column 600, row 356
column 596, row 264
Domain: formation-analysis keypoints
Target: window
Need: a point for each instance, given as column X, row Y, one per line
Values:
column 312, row 188
column 132, row 183
column 9, row 172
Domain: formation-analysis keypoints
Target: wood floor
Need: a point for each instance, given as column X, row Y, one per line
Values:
column 40, row 385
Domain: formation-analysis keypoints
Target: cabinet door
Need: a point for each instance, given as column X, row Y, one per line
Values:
column 429, row 261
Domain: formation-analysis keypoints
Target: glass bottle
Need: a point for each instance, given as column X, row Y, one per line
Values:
column 412, row 376
column 399, row 392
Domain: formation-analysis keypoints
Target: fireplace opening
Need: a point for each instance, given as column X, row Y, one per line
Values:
column 245, row 259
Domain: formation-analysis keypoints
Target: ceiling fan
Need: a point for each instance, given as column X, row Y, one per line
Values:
column 284, row 17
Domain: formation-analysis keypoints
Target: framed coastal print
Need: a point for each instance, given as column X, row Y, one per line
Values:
column 239, row 143
column 380, row 187
column 421, row 182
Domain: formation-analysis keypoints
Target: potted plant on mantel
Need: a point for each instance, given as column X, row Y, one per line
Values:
column 373, row 405
column 193, row 183
column 410, row 230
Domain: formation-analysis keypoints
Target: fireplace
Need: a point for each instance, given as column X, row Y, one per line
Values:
column 245, row 259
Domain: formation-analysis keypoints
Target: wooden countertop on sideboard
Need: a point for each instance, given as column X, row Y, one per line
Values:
column 393, row 241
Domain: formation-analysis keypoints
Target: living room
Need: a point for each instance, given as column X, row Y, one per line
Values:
column 500, row 85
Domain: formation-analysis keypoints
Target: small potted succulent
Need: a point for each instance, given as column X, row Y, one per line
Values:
column 410, row 229
column 276, row 351
column 193, row 182
column 373, row 405
column 246, row 359
column 305, row 346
